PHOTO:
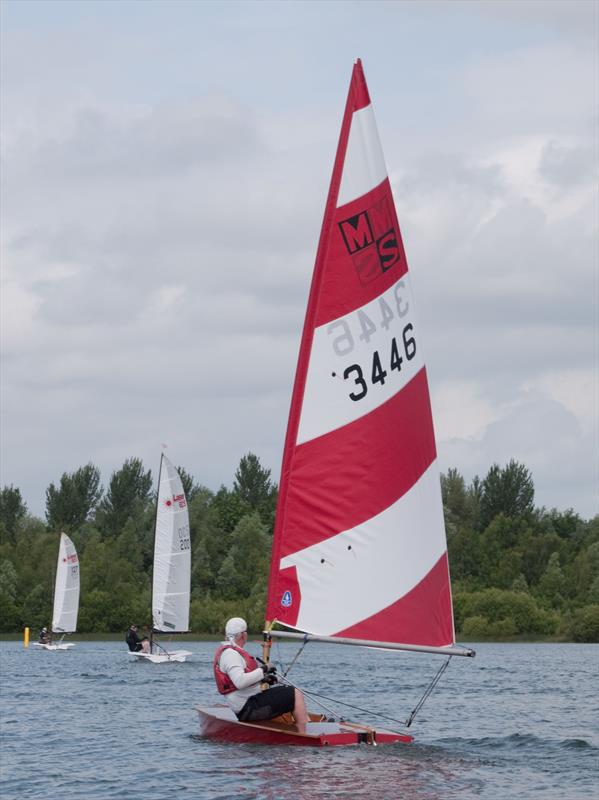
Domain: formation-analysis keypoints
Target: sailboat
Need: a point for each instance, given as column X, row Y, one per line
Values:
column 66, row 595
column 171, row 578
column 359, row 553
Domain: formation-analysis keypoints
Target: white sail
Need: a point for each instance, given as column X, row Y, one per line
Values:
column 172, row 554
column 66, row 588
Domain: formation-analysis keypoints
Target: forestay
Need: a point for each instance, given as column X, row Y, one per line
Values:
column 66, row 588
column 359, row 545
column 172, row 554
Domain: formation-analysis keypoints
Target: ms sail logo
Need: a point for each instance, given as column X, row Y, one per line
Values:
column 371, row 240
column 286, row 600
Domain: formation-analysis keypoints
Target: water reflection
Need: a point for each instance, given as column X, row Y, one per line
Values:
column 305, row 773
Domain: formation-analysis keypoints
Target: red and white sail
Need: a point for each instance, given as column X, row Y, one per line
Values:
column 359, row 545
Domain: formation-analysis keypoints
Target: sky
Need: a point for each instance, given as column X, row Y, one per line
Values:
column 164, row 173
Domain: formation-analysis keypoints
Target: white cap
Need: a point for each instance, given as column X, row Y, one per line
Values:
column 235, row 626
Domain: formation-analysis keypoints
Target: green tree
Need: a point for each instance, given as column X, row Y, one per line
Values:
column 37, row 608
column 12, row 511
column 254, row 487
column 464, row 548
column 508, row 491
column 190, row 487
column 202, row 579
column 564, row 523
column 9, row 612
column 497, row 605
column 519, row 584
column 72, row 503
column 474, row 495
column 128, row 495
column 227, row 509
column 455, row 498
column 245, row 566
column 8, row 578
column 552, row 582
column 584, row 624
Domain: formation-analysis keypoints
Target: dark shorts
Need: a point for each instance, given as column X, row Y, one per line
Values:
column 268, row 704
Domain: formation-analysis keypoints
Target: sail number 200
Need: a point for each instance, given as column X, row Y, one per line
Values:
column 184, row 541
column 379, row 373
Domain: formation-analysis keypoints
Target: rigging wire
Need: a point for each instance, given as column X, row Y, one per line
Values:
column 427, row 693
column 313, row 695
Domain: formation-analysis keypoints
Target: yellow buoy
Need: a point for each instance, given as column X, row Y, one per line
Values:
column 26, row 637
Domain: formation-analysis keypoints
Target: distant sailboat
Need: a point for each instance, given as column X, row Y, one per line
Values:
column 359, row 552
column 66, row 595
column 171, row 579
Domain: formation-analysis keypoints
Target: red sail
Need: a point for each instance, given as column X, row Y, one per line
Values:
column 359, row 544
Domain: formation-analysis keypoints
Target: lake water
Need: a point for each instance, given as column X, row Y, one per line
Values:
column 518, row 721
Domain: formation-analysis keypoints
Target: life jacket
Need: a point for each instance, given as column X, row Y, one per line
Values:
column 224, row 684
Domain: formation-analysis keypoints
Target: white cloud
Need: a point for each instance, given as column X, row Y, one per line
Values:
column 160, row 221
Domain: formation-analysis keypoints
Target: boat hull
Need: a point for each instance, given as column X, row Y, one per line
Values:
column 162, row 658
column 53, row 646
column 219, row 722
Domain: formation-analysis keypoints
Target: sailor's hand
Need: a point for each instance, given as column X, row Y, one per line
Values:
column 270, row 674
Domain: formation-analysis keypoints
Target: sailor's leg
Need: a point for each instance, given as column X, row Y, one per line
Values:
column 300, row 713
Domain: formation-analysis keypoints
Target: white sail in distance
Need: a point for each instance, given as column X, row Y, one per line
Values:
column 172, row 554
column 66, row 588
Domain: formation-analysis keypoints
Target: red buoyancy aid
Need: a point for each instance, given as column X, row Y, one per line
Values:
column 224, row 684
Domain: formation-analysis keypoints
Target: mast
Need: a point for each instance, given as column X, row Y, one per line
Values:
column 54, row 587
column 154, row 552
column 306, row 343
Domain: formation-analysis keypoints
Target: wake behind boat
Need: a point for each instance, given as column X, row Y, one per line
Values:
column 171, row 579
column 359, row 553
column 66, row 596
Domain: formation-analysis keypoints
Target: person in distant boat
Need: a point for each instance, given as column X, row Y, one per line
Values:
column 44, row 636
column 136, row 644
column 239, row 677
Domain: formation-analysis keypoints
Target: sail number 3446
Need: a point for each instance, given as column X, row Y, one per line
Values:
column 378, row 373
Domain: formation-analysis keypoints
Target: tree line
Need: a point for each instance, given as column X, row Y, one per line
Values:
column 517, row 570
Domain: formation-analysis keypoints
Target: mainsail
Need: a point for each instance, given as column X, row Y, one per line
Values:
column 66, row 588
column 172, row 554
column 359, row 546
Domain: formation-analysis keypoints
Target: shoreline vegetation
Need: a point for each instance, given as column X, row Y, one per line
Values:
column 518, row 572
column 255, row 639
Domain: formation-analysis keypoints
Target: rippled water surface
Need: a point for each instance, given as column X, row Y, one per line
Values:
column 520, row 720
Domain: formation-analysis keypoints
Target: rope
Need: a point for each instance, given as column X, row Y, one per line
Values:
column 406, row 723
column 154, row 642
column 312, row 696
column 297, row 655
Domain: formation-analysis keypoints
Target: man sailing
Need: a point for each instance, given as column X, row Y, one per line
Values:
column 239, row 677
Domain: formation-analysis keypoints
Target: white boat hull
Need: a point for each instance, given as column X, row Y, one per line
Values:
column 53, row 646
column 162, row 658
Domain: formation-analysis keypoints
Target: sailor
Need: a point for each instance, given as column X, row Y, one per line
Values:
column 239, row 677
column 44, row 637
column 136, row 644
